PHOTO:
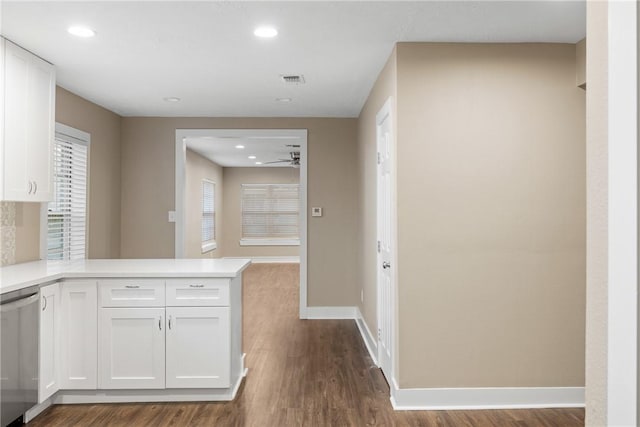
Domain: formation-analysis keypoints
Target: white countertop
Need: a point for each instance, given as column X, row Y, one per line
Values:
column 20, row 276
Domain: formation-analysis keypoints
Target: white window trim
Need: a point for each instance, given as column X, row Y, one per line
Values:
column 211, row 245
column 83, row 138
column 269, row 242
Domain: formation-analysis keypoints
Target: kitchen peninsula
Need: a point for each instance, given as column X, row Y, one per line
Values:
column 135, row 330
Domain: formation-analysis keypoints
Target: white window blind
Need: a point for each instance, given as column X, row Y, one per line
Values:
column 67, row 213
column 208, row 212
column 270, row 211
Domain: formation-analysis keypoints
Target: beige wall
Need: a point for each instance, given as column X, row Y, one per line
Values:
column 104, row 181
column 233, row 179
column 491, row 216
column 148, row 192
column 104, row 169
column 597, row 219
column 198, row 168
column 384, row 87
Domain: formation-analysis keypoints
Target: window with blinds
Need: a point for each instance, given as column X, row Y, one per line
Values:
column 67, row 213
column 270, row 214
column 208, row 215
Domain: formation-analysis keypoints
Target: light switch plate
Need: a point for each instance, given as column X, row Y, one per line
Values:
column 172, row 216
column 316, row 211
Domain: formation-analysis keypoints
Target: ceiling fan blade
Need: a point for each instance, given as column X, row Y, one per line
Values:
column 278, row 161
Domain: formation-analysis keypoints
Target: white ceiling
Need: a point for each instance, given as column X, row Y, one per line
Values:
column 206, row 54
column 223, row 151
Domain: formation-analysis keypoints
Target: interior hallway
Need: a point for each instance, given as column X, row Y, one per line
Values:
column 301, row 373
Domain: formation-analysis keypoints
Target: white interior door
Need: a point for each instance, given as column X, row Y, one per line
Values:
column 385, row 263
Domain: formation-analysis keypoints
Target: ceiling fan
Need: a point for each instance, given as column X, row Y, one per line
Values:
column 294, row 161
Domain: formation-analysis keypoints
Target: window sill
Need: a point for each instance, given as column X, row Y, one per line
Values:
column 269, row 242
column 208, row 247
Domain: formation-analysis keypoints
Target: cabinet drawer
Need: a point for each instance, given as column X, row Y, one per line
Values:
column 131, row 293
column 197, row 292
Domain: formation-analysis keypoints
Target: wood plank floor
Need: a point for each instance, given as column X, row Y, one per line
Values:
column 301, row 373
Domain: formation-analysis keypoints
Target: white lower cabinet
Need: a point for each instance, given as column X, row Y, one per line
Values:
column 198, row 353
column 49, row 340
column 131, row 348
column 78, row 335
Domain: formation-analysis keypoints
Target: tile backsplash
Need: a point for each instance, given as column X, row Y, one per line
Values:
column 7, row 233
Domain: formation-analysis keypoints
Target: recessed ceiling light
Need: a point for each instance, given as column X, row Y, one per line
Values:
column 171, row 99
column 258, row 163
column 240, row 147
column 265, row 32
column 284, row 99
column 79, row 31
column 252, row 157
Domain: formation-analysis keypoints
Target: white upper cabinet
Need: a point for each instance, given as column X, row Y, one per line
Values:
column 27, row 126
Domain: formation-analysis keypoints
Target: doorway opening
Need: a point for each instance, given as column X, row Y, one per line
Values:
column 259, row 213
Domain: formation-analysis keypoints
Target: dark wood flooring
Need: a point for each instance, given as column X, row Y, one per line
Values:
column 301, row 373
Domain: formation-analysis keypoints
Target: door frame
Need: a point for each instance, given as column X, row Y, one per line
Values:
column 180, row 193
column 387, row 111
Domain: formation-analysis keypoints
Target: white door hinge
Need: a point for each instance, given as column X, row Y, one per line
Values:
column 379, row 158
column 378, row 246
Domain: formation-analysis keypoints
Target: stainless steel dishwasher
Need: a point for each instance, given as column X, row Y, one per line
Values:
column 18, row 353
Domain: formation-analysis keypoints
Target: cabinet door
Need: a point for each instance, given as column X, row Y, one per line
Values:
column 49, row 341
column 16, row 72
column 131, row 348
column 41, row 129
column 79, row 335
column 29, row 120
column 198, row 347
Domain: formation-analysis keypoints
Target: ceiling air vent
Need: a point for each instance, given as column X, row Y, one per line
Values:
column 292, row 78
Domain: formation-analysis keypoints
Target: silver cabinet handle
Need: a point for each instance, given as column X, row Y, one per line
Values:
column 35, row 187
column 169, row 322
column 30, row 186
column 386, row 264
column 44, row 301
column 132, row 286
column 196, row 286
column 160, row 323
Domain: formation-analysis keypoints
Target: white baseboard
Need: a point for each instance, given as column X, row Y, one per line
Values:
column 144, row 396
column 340, row 312
column 369, row 341
column 269, row 259
column 36, row 410
column 429, row 399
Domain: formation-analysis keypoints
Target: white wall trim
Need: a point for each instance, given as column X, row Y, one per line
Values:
column 37, row 410
column 180, row 159
column 369, row 340
column 430, row 399
column 140, row 396
column 268, row 259
column 622, row 349
column 269, row 242
column 345, row 312
column 209, row 246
